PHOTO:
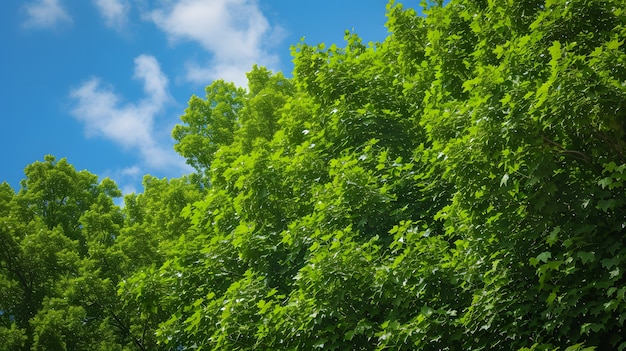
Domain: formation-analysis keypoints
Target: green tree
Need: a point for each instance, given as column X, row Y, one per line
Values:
column 450, row 171
column 459, row 185
column 47, row 231
column 209, row 123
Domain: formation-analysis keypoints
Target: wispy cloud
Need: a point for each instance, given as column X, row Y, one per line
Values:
column 130, row 125
column 45, row 14
column 114, row 12
column 131, row 171
column 235, row 33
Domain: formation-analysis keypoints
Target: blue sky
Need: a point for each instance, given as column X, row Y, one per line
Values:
column 102, row 82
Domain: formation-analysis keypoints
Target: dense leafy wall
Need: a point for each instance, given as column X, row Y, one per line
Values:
column 458, row 186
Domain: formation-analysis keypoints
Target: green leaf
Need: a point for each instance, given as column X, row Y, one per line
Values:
column 586, row 257
column 314, row 246
column 609, row 263
column 580, row 347
column 555, row 51
column 614, row 273
column 550, row 299
column 553, row 236
column 588, row 327
column 606, row 205
column 319, row 344
column 614, row 44
column 605, row 182
column 542, row 257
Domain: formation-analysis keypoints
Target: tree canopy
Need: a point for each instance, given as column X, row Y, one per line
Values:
column 459, row 186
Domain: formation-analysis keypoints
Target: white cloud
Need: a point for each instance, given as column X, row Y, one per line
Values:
column 127, row 179
column 234, row 32
column 131, row 171
column 114, row 12
column 45, row 13
column 235, row 73
column 130, row 125
column 129, row 189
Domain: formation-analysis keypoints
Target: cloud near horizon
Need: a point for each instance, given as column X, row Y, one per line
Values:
column 130, row 125
column 234, row 32
column 45, row 14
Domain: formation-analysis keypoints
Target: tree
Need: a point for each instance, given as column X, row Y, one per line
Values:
column 47, row 231
column 448, row 171
column 209, row 124
column 458, row 186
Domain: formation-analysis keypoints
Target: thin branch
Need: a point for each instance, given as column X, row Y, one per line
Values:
column 576, row 154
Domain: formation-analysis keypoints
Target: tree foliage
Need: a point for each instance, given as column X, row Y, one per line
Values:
column 459, row 186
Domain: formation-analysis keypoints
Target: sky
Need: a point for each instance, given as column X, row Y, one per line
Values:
column 103, row 82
